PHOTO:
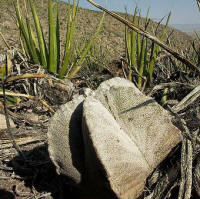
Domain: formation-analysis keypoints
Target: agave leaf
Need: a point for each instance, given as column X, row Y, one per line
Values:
column 69, row 25
column 141, row 62
column 146, row 60
column 40, row 35
column 24, row 46
column 23, row 27
column 74, row 70
column 57, row 36
column 195, row 49
column 143, row 51
column 130, row 41
column 147, row 18
column 133, row 43
column 27, row 33
column 32, row 35
column 138, row 43
column 78, row 65
column 156, row 49
column 166, row 25
column 33, row 45
column 168, row 19
column 133, row 50
column 195, row 52
column 128, row 44
column 198, row 4
column 157, row 26
column 52, row 40
column 162, row 37
column 69, row 39
column 152, row 62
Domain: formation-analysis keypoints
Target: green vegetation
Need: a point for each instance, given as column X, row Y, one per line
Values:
column 48, row 54
column 141, row 53
column 195, row 55
column 156, row 41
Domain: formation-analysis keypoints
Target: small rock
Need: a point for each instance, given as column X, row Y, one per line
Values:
column 3, row 125
column 65, row 85
column 32, row 116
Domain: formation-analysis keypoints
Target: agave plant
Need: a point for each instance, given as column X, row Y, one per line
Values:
column 195, row 54
column 198, row 4
column 137, row 50
column 48, row 54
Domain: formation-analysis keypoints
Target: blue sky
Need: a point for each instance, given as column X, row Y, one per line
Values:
column 183, row 11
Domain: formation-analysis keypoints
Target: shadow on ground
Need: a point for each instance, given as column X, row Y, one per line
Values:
column 39, row 173
column 6, row 195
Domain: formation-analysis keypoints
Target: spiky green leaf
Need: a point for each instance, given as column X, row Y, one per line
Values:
column 40, row 36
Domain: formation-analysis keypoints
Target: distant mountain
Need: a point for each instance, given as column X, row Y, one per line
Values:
column 186, row 27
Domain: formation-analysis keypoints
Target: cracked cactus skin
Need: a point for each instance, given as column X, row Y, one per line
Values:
column 107, row 142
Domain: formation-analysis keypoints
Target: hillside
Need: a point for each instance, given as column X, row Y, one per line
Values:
column 111, row 37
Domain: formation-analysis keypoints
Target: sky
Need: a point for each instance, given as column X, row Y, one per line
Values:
column 183, row 11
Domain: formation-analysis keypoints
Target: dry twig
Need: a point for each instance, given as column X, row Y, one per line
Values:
column 21, row 142
column 187, row 100
column 24, row 76
column 29, row 97
column 170, row 85
column 185, row 188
